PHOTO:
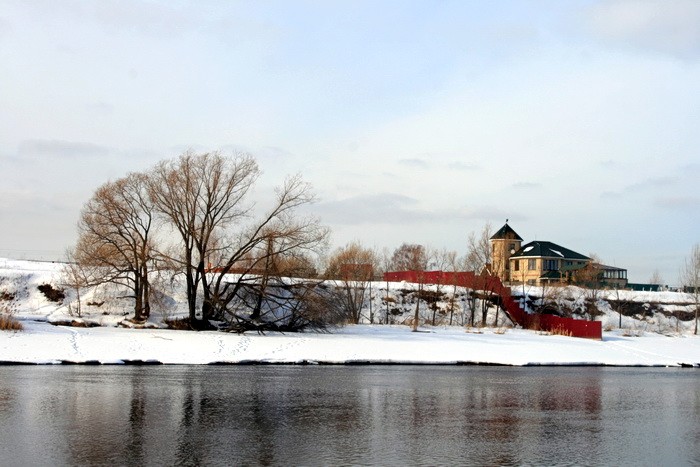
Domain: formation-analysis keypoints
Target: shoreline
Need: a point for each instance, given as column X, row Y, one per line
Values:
column 336, row 364
column 42, row 343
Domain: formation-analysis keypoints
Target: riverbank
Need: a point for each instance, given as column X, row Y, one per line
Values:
column 43, row 343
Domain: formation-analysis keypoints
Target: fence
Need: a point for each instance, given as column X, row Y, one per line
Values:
column 492, row 284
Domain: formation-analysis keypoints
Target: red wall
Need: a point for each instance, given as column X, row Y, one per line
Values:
column 536, row 321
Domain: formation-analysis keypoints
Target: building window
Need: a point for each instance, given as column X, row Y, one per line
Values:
column 550, row 265
column 531, row 264
column 516, row 265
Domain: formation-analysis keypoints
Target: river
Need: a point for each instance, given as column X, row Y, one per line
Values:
column 330, row 415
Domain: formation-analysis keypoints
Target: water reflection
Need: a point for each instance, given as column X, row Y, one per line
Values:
column 349, row 415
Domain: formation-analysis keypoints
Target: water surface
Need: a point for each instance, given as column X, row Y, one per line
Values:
column 329, row 415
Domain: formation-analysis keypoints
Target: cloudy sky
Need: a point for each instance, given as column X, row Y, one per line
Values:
column 415, row 121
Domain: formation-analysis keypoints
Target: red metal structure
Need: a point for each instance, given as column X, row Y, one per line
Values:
column 492, row 284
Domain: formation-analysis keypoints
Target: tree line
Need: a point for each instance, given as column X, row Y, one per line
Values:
column 195, row 217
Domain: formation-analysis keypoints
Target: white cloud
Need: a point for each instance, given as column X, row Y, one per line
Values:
column 682, row 203
column 382, row 208
column 667, row 26
column 414, row 163
column 62, row 149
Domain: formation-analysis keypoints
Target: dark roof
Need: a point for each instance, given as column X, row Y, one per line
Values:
column 551, row 275
column 609, row 268
column 506, row 232
column 547, row 250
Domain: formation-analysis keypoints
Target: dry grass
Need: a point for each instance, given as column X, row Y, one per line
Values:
column 181, row 324
column 561, row 332
column 8, row 323
column 632, row 333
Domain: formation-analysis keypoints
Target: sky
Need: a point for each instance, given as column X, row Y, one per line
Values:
column 415, row 121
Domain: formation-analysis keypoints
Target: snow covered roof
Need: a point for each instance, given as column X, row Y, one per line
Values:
column 548, row 250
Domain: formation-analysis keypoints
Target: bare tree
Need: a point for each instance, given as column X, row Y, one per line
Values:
column 621, row 303
column 656, row 278
column 690, row 279
column 115, row 231
column 353, row 267
column 589, row 279
column 479, row 250
column 201, row 195
column 453, row 263
column 281, row 232
column 386, row 266
column 409, row 257
column 77, row 276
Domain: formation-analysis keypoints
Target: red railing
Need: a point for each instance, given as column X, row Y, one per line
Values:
column 492, row 284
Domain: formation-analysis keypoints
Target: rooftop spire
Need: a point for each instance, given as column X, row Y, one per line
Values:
column 506, row 232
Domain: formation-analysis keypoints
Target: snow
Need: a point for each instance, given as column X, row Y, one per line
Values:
column 528, row 249
column 44, row 343
column 556, row 252
column 637, row 344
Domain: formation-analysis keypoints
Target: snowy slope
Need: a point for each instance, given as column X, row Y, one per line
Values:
column 638, row 343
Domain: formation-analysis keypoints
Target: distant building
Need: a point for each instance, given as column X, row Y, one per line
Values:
column 543, row 262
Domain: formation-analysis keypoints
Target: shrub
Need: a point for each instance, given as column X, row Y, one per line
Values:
column 8, row 323
column 6, row 296
column 182, row 324
column 52, row 294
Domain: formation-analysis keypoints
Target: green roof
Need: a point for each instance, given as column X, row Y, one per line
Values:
column 547, row 250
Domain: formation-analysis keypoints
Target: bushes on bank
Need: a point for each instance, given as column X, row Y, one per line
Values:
column 8, row 323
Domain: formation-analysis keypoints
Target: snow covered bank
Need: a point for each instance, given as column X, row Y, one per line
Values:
column 660, row 341
column 44, row 343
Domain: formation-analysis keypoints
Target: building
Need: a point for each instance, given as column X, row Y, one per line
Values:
column 543, row 262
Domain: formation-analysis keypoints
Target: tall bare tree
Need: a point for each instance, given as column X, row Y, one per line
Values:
column 479, row 249
column 353, row 266
column 282, row 232
column 451, row 262
column 77, row 276
column 201, row 195
column 589, row 278
column 690, row 278
column 412, row 257
column 115, row 236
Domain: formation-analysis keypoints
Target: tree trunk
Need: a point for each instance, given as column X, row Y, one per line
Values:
column 387, row 303
column 371, row 313
column 138, row 298
column 77, row 293
column 208, row 311
column 191, row 298
column 416, row 314
column 146, row 285
column 472, row 310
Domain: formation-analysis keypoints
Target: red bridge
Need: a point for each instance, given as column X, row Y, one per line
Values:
column 492, row 284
